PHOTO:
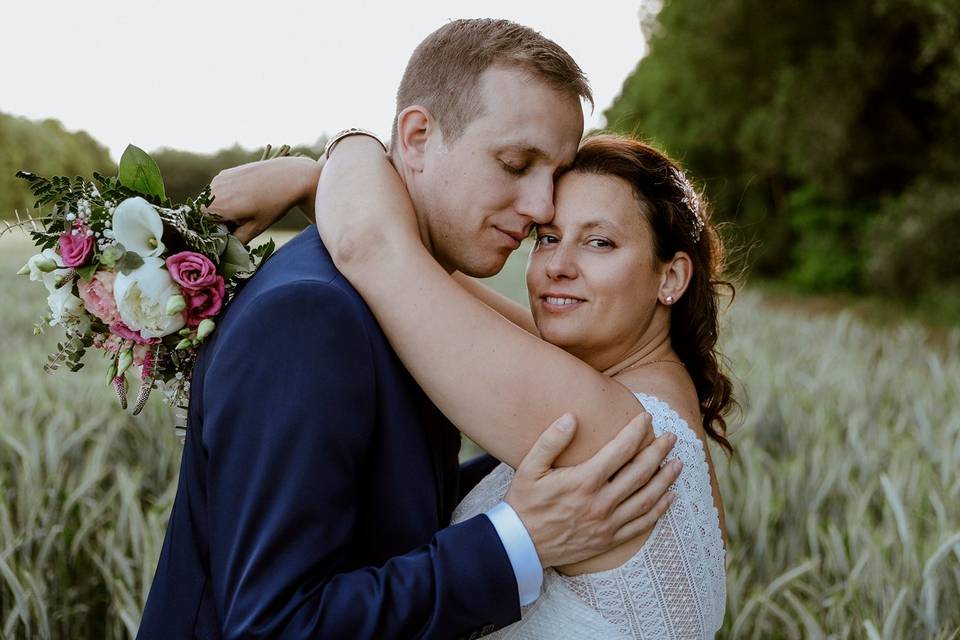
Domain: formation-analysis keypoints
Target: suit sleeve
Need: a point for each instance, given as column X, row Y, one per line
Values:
column 288, row 415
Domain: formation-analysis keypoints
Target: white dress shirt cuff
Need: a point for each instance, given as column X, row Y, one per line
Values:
column 520, row 550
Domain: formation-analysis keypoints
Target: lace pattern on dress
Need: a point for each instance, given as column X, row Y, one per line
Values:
column 673, row 587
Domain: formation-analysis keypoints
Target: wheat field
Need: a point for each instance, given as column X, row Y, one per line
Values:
column 842, row 502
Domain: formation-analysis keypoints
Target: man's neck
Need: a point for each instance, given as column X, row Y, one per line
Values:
column 422, row 226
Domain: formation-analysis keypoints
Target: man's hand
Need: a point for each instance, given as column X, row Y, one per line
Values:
column 255, row 195
column 575, row 513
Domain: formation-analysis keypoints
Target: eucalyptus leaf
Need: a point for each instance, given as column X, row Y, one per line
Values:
column 129, row 262
column 87, row 272
column 138, row 171
column 235, row 258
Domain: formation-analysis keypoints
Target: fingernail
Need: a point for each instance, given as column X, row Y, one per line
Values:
column 565, row 422
column 672, row 438
column 677, row 465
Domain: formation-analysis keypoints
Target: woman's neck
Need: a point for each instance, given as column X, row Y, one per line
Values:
column 650, row 352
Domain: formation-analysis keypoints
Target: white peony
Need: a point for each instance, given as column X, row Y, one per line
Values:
column 142, row 297
column 138, row 227
column 63, row 305
column 46, row 267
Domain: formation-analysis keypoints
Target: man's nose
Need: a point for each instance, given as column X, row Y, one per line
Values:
column 536, row 201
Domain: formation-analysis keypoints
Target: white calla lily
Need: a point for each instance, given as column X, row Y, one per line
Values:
column 138, row 227
column 143, row 296
column 63, row 305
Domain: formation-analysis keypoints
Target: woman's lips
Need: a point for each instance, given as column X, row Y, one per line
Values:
column 560, row 303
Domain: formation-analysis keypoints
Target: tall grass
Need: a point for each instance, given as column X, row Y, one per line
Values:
column 842, row 503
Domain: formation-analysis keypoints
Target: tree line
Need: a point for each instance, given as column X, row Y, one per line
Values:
column 47, row 148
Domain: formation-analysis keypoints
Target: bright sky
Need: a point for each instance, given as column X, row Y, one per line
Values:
column 201, row 75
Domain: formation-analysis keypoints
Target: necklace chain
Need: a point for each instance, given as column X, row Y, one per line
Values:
column 636, row 365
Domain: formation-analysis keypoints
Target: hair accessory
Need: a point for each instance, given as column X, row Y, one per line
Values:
column 352, row 131
column 691, row 201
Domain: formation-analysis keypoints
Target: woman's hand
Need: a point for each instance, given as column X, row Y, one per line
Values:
column 362, row 206
column 254, row 196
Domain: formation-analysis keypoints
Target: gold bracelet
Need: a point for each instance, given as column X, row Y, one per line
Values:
column 352, row 131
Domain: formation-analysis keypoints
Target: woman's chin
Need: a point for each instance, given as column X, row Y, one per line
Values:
column 565, row 337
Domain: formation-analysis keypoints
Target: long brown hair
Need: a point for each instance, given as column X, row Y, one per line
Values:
column 680, row 220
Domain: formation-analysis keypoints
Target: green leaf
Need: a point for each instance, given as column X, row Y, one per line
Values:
column 129, row 262
column 86, row 273
column 235, row 258
column 138, row 171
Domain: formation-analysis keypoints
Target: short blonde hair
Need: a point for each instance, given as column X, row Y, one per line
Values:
column 443, row 73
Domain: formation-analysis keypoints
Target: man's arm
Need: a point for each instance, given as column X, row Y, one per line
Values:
column 287, row 420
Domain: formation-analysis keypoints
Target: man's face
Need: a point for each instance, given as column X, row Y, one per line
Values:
column 481, row 195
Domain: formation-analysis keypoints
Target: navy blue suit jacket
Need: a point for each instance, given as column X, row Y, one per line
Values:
column 317, row 482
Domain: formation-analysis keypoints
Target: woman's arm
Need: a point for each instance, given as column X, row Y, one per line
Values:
column 498, row 383
column 516, row 313
column 255, row 195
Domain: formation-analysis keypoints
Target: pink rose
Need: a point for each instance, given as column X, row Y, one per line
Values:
column 192, row 270
column 76, row 246
column 121, row 329
column 204, row 303
column 97, row 296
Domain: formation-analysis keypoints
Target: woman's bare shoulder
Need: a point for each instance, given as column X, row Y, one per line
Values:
column 672, row 385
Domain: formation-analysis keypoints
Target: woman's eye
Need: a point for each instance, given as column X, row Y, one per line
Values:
column 546, row 239
column 513, row 170
column 600, row 243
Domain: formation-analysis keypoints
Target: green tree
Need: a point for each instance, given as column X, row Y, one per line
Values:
column 807, row 122
column 46, row 148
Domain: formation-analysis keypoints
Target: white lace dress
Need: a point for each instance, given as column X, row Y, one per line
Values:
column 674, row 587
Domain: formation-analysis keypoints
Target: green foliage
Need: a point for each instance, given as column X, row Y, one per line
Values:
column 45, row 148
column 771, row 101
column 139, row 172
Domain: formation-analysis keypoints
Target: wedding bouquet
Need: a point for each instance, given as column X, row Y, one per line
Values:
column 132, row 274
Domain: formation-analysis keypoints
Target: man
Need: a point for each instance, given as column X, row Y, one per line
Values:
column 317, row 480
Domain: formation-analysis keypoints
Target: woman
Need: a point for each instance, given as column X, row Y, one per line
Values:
column 622, row 281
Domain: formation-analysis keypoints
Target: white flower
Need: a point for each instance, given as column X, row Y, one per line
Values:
column 142, row 297
column 138, row 227
column 63, row 305
column 46, row 267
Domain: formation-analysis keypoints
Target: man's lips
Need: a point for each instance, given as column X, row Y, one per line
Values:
column 516, row 236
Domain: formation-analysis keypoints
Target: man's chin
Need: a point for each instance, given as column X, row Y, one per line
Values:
column 484, row 269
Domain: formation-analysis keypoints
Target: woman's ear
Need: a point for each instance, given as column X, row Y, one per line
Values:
column 675, row 278
column 414, row 126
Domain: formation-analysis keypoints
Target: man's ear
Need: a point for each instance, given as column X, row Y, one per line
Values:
column 675, row 278
column 415, row 125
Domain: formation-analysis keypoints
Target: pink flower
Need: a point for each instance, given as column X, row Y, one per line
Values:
column 97, row 296
column 141, row 353
column 76, row 246
column 204, row 303
column 121, row 329
column 193, row 270
column 113, row 343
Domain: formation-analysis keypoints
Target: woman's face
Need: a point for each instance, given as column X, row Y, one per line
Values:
column 592, row 277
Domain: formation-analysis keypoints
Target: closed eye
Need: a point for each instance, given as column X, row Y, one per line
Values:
column 512, row 170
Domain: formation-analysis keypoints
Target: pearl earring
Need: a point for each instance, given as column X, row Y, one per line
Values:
column 669, row 299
